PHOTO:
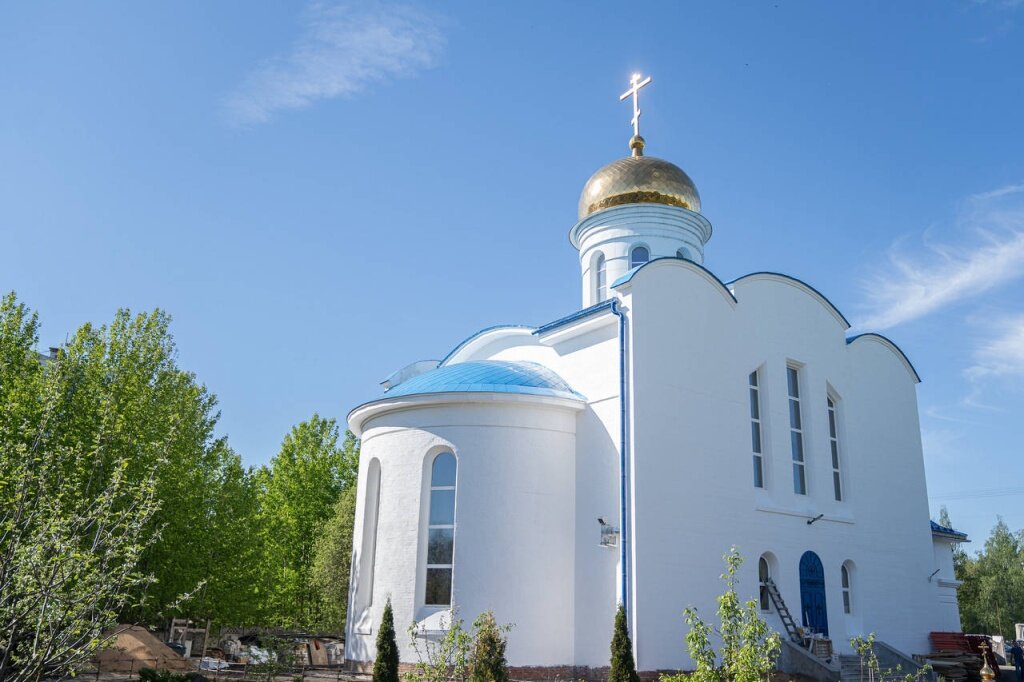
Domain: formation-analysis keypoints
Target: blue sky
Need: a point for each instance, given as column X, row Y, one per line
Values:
column 322, row 193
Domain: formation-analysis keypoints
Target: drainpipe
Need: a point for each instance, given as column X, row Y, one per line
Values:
column 623, row 554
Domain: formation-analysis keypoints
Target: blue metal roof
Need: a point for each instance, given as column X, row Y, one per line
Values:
column 946, row 530
column 578, row 315
column 474, row 335
column 488, row 376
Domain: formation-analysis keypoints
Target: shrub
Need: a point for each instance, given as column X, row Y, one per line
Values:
column 440, row 660
column 153, row 675
column 623, row 668
column 487, row 658
column 385, row 666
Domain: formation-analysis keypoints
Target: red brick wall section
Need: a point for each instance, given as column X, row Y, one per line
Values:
column 559, row 673
column 565, row 673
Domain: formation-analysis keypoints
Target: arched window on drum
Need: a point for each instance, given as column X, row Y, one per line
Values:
column 638, row 256
column 441, row 531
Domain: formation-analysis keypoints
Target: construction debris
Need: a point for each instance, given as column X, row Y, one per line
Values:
column 136, row 647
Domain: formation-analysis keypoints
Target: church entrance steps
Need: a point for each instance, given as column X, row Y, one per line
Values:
column 850, row 669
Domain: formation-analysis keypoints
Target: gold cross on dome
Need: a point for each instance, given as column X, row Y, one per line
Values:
column 634, row 90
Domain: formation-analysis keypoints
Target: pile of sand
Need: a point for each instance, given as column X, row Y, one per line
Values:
column 135, row 647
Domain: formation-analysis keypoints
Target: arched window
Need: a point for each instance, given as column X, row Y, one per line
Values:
column 684, row 253
column 600, row 279
column 763, row 576
column 847, row 595
column 638, row 256
column 441, row 531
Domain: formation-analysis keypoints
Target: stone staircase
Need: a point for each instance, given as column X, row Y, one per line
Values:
column 849, row 669
column 888, row 658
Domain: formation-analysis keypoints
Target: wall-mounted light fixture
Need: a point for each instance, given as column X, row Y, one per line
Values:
column 609, row 534
column 816, row 518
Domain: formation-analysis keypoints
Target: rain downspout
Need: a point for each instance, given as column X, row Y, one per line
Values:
column 623, row 554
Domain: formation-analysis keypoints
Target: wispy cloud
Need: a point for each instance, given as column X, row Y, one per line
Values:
column 1002, row 356
column 342, row 50
column 914, row 285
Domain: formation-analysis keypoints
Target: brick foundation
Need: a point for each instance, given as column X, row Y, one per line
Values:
column 564, row 673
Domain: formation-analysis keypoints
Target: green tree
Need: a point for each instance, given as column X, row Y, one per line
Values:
column 487, row 657
column 748, row 648
column 298, row 493
column 122, row 381
column 233, row 554
column 623, row 667
column 69, row 562
column 117, row 398
column 385, row 665
column 992, row 594
column 332, row 562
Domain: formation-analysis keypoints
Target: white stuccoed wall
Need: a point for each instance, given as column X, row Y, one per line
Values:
column 514, row 519
column 693, row 349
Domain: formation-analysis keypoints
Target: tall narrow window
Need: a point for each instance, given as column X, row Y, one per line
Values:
column 846, row 589
column 600, row 279
column 441, row 531
column 638, row 256
column 796, row 433
column 755, row 431
column 763, row 576
column 684, row 253
column 833, row 442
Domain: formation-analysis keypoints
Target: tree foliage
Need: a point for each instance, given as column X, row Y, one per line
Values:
column 332, row 562
column 298, row 494
column 76, row 513
column 623, row 667
column 385, row 665
column 748, row 648
column 117, row 497
column 992, row 594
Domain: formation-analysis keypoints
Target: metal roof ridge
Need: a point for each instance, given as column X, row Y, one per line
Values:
column 578, row 315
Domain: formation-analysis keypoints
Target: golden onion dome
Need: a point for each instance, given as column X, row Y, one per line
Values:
column 638, row 179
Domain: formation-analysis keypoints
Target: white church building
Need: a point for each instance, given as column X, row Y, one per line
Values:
column 614, row 455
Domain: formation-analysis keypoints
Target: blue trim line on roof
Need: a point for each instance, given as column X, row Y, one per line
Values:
column 629, row 275
column 946, row 530
column 890, row 342
column 488, row 376
column 578, row 315
column 476, row 334
column 798, row 281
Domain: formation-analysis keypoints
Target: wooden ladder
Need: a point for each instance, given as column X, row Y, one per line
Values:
column 784, row 614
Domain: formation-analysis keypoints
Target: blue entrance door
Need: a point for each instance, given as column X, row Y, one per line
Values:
column 812, row 593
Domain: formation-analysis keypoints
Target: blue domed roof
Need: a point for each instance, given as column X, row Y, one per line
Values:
column 488, row 376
